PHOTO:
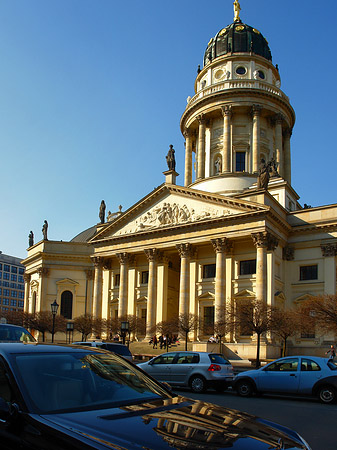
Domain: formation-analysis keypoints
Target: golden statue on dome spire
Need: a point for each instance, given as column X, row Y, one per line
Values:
column 237, row 9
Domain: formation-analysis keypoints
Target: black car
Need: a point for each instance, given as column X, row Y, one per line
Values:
column 14, row 333
column 55, row 397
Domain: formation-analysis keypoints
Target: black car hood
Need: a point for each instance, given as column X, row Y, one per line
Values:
column 175, row 422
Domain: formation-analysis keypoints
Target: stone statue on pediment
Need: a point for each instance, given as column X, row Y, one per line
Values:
column 31, row 239
column 45, row 230
column 263, row 175
column 170, row 159
column 102, row 211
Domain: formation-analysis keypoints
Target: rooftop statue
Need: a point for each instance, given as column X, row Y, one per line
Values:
column 170, row 159
column 45, row 230
column 31, row 239
column 263, row 175
column 102, row 211
column 237, row 10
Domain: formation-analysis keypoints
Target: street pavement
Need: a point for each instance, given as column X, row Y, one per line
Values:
column 315, row 422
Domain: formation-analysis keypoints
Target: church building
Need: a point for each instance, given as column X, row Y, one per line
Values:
column 234, row 232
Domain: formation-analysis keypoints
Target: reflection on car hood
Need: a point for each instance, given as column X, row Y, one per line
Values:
column 178, row 423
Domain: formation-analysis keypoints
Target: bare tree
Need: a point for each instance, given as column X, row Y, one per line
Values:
column 85, row 325
column 252, row 317
column 42, row 321
column 14, row 317
column 284, row 323
column 187, row 322
column 320, row 312
column 222, row 325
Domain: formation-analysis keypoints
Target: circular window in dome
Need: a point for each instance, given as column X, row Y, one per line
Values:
column 261, row 74
column 219, row 74
column 241, row 70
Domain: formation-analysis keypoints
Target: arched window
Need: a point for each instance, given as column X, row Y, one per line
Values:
column 34, row 303
column 67, row 305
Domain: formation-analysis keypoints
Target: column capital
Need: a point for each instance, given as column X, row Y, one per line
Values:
column 26, row 277
column 277, row 119
column 287, row 132
column 43, row 271
column 89, row 274
column 329, row 249
column 98, row 261
column 256, row 110
column 125, row 258
column 153, row 254
column 187, row 133
column 201, row 119
column 227, row 111
column 222, row 245
column 186, row 250
column 288, row 253
column 264, row 239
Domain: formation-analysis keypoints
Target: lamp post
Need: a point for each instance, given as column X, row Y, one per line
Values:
column 70, row 329
column 124, row 330
column 54, row 307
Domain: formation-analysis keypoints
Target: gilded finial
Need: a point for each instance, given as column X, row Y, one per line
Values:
column 237, row 9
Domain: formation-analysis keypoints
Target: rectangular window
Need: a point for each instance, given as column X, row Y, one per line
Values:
column 21, row 280
column 6, row 291
column 5, row 301
column 21, row 294
column 5, row 283
column 7, row 268
column 145, row 277
column 240, row 161
column 21, row 271
column 208, row 320
column 117, row 280
column 6, row 276
column 208, row 271
column 14, row 277
column 14, row 269
column 308, row 335
column 20, row 304
column 309, row 272
column 13, row 302
column 143, row 314
column 248, row 267
column 14, row 294
column 0, row 274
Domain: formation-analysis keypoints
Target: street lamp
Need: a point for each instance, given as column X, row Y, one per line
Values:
column 54, row 307
column 124, row 330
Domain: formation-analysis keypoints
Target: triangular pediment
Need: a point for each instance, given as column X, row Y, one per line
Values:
column 174, row 206
column 67, row 282
column 206, row 295
column 303, row 298
column 245, row 293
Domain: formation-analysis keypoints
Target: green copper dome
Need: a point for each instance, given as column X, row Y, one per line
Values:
column 237, row 38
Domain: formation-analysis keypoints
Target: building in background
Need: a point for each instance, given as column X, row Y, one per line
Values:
column 234, row 232
column 12, row 283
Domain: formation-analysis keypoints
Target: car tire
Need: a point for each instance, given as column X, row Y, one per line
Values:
column 327, row 394
column 244, row 388
column 198, row 384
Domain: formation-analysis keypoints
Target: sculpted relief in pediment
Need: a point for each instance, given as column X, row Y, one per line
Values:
column 167, row 213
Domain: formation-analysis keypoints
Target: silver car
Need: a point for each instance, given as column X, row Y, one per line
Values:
column 197, row 370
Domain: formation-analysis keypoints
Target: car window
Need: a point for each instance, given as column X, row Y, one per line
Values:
column 332, row 365
column 308, row 365
column 283, row 365
column 15, row 334
column 188, row 358
column 164, row 359
column 117, row 348
column 82, row 380
column 217, row 358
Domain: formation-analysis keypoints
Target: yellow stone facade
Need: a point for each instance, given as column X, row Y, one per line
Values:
column 218, row 240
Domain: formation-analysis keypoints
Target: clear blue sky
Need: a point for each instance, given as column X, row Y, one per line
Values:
column 92, row 91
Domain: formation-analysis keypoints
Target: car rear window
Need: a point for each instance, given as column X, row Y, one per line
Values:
column 218, row 358
column 332, row 365
column 117, row 348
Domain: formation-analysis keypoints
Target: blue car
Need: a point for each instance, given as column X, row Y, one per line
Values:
column 302, row 375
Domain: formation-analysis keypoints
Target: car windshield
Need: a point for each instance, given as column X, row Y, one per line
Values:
column 81, row 381
column 15, row 334
column 218, row 358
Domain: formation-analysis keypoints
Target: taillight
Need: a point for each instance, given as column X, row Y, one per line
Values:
column 214, row 368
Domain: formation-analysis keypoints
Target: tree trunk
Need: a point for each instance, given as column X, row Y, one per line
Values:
column 257, row 365
column 186, row 337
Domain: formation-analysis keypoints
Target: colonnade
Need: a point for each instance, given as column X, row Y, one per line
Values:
column 223, row 248
column 197, row 139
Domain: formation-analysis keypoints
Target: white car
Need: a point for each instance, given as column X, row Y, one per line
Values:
column 197, row 370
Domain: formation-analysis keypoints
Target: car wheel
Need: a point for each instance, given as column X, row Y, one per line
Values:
column 244, row 388
column 327, row 394
column 198, row 384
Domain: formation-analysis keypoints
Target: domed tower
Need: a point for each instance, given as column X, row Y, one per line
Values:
column 238, row 115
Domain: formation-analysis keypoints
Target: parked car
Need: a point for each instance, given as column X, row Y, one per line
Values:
column 14, row 333
column 304, row 375
column 197, row 370
column 74, row 398
column 115, row 347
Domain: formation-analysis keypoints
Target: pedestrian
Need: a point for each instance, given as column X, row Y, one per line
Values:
column 155, row 341
column 161, row 341
column 332, row 352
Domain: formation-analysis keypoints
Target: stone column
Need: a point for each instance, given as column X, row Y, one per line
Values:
column 88, row 291
column 201, row 147
column 152, row 255
column 188, row 157
column 124, row 260
column 226, row 149
column 98, row 282
column 26, row 277
column 329, row 252
column 287, row 156
column 263, row 241
column 221, row 247
column 41, row 301
column 279, row 143
column 256, row 112
column 185, row 253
